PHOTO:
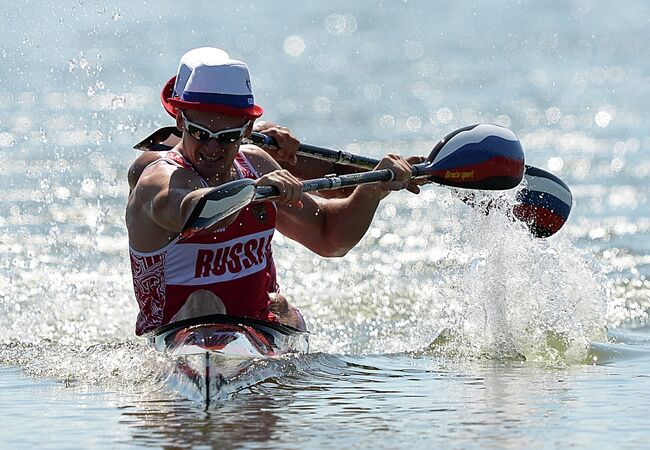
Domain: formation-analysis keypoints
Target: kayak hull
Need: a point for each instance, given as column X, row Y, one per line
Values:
column 209, row 352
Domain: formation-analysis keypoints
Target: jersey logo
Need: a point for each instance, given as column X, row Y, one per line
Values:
column 259, row 211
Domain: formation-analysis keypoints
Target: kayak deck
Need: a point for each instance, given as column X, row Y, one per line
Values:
column 210, row 351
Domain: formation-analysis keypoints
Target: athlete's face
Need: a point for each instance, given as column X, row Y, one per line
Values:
column 211, row 141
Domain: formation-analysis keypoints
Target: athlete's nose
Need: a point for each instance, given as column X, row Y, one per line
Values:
column 213, row 145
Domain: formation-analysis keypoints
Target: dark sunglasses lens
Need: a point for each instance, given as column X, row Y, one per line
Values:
column 229, row 137
column 197, row 133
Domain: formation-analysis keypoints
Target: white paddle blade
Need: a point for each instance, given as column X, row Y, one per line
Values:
column 220, row 203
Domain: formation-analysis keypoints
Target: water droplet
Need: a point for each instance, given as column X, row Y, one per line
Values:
column 118, row 102
column 294, row 46
column 62, row 193
column 602, row 118
column 617, row 164
column 555, row 164
column 387, row 121
column 413, row 123
column 7, row 140
column 340, row 24
column 553, row 114
column 444, row 115
column 88, row 187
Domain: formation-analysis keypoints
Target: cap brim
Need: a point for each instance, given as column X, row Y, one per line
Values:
column 172, row 104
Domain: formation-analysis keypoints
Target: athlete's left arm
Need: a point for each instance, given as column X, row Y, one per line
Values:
column 333, row 227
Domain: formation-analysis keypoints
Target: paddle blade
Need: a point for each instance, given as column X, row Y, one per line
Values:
column 220, row 203
column 161, row 140
column 544, row 203
column 484, row 156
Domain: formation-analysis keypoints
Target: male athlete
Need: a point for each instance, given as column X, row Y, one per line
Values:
column 228, row 267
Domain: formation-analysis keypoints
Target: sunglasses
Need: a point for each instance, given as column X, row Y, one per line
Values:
column 224, row 137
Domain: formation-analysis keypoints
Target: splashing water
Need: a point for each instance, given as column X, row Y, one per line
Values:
column 509, row 295
column 464, row 284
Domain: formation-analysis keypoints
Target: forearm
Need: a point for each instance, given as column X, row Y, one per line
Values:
column 347, row 220
column 170, row 210
column 331, row 227
column 189, row 203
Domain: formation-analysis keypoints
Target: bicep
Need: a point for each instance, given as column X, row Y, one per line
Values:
column 308, row 226
column 160, row 194
column 166, row 208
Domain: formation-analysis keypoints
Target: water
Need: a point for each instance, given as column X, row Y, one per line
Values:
column 443, row 328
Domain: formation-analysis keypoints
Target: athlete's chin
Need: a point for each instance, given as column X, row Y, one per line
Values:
column 214, row 170
column 212, row 165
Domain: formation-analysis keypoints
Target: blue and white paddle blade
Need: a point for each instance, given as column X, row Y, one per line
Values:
column 483, row 156
column 220, row 203
column 544, row 203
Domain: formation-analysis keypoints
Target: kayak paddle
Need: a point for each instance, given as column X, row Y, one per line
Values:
column 543, row 204
column 485, row 157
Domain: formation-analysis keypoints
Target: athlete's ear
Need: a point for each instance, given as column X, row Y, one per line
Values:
column 179, row 119
column 249, row 128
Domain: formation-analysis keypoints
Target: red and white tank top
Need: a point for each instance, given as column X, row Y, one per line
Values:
column 234, row 263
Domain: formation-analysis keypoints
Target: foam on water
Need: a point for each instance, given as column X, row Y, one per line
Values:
column 512, row 295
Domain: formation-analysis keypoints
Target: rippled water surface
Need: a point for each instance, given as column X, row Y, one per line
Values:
column 443, row 328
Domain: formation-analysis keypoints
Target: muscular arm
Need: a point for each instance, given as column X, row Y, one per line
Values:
column 330, row 227
column 327, row 227
column 159, row 205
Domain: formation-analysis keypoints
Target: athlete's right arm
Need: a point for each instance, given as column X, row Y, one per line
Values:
column 159, row 205
column 166, row 194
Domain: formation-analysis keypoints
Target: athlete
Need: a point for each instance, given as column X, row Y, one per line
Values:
column 228, row 267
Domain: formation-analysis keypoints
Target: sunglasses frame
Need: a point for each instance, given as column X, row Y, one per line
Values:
column 214, row 135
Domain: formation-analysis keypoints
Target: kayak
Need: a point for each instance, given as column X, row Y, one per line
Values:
column 209, row 351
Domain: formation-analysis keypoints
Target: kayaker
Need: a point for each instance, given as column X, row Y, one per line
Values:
column 228, row 268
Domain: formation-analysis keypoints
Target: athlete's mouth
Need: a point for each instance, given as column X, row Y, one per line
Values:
column 209, row 158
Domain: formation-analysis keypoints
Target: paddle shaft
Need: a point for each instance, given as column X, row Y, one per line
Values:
column 341, row 181
column 325, row 154
column 481, row 156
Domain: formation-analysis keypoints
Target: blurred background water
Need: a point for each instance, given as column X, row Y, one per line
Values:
column 442, row 328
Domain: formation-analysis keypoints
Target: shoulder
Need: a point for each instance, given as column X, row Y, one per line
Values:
column 261, row 161
column 163, row 176
column 141, row 162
